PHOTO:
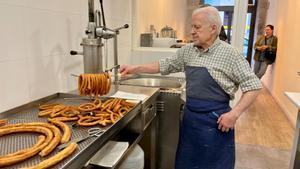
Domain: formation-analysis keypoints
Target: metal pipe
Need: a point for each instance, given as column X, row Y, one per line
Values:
column 116, row 70
column 105, row 33
column 91, row 10
column 98, row 18
column 102, row 10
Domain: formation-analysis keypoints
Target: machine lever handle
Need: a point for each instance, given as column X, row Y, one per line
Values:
column 122, row 27
column 73, row 52
column 88, row 32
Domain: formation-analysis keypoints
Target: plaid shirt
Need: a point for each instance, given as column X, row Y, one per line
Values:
column 225, row 64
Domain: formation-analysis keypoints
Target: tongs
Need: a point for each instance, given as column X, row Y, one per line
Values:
column 92, row 132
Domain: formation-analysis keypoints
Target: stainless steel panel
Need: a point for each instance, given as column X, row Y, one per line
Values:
column 86, row 149
column 163, row 82
column 152, row 82
column 169, row 112
column 169, row 106
column 142, row 120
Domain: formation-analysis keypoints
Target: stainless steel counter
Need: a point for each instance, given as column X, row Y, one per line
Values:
column 28, row 113
column 152, row 93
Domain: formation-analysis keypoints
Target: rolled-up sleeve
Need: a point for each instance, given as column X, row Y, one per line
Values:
column 172, row 64
column 244, row 76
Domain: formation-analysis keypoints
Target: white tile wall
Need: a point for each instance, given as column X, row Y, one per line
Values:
column 14, row 83
column 12, row 33
column 36, row 37
column 118, row 10
column 13, row 2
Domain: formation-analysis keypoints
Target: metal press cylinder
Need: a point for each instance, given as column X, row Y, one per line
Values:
column 92, row 55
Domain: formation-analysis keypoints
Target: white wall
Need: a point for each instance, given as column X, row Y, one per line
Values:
column 159, row 13
column 282, row 76
column 36, row 37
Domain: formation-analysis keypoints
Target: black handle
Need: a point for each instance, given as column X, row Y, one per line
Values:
column 73, row 52
column 88, row 32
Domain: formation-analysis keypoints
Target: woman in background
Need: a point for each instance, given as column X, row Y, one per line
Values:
column 265, row 48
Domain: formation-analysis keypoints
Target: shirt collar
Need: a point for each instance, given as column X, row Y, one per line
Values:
column 211, row 48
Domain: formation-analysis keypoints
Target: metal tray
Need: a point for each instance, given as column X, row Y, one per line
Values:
column 28, row 113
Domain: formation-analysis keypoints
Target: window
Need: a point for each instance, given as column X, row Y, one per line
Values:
column 220, row 2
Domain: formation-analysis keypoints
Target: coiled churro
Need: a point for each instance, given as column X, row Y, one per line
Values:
column 94, row 84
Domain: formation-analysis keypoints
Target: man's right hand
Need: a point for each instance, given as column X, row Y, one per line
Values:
column 142, row 68
column 126, row 69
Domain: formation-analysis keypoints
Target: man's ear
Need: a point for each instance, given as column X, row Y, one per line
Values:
column 213, row 28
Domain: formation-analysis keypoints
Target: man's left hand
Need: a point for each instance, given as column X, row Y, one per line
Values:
column 227, row 121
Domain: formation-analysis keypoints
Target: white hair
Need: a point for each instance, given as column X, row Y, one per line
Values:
column 212, row 15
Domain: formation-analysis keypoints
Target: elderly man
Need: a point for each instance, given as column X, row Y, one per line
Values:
column 214, row 71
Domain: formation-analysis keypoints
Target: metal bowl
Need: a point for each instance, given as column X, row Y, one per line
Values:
column 152, row 82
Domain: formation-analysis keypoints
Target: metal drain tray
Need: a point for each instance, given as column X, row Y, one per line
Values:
column 28, row 113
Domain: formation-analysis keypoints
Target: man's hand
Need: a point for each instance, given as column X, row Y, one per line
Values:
column 126, row 69
column 227, row 121
column 143, row 68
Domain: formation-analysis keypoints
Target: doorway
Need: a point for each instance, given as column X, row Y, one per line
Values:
column 226, row 9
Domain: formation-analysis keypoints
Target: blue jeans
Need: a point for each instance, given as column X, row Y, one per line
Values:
column 260, row 68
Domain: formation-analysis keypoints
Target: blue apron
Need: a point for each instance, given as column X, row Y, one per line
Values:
column 201, row 144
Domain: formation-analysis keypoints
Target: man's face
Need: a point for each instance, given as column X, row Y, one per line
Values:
column 268, row 31
column 201, row 31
